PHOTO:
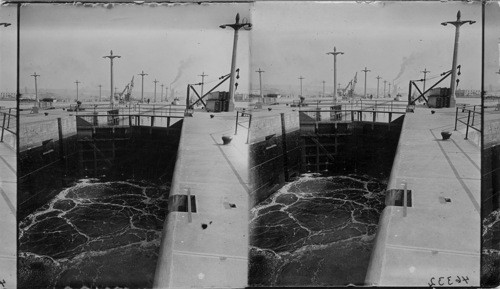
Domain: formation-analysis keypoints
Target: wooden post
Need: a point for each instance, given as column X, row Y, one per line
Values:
column 249, row 126
column 61, row 140
column 317, row 156
column 285, row 149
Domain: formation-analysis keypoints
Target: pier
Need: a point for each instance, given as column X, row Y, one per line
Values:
column 8, row 201
column 431, row 235
column 205, row 236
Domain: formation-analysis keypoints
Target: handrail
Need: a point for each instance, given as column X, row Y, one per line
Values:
column 113, row 119
column 469, row 123
column 6, row 124
column 355, row 110
column 238, row 123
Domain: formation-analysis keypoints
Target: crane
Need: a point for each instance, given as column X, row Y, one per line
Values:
column 125, row 95
column 348, row 91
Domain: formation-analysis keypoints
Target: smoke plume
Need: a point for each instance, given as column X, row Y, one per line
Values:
column 182, row 66
column 407, row 62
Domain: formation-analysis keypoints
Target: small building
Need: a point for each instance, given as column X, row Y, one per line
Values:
column 271, row 98
column 439, row 97
column 47, row 103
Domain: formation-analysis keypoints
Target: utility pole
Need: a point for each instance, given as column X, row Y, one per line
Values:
column 457, row 25
column 161, row 94
column 323, row 88
column 236, row 26
column 36, row 89
column 142, row 87
column 385, row 82
column 335, row 53
column 100, row 87
column 365, row 71
column 389, row 88
column 301, row 84
column 111, row 57
column 156, row 81
column 425, row 72
column 260, row 84
column 378, row 81
column 77, row 82
column 202, row 81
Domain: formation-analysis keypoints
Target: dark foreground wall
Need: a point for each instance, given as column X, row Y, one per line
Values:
column 490, row 205
column 109, row 153
column 47, row 161
column 274, row 148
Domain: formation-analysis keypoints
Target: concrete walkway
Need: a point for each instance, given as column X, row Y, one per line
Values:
column 438, row 242
column 8, row 224
column 211, row 248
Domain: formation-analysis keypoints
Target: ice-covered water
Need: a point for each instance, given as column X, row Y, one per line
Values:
column 490, row 260
column 94, row 234
column 315, row 231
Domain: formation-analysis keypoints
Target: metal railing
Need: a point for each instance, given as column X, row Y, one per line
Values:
column 130, row 120
column 386, row 105
column 132, row 115
column 359, row 115
column 466, row 112
column 9, row 122
column 240, row 123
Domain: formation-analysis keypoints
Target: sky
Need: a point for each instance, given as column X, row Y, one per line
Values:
column 290, row 40
column 8, row 48
column 492, row 47
column 176, row 43
column 171, row 43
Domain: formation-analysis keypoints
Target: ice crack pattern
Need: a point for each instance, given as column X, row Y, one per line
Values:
column 490, row 259
column 315, row 231
column 94, row 234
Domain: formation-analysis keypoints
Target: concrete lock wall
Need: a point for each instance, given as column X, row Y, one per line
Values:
column 274, row 158
column 35, row 134
column 264, row 124
column 48, row 165
column 490, row 202
column 46, row 161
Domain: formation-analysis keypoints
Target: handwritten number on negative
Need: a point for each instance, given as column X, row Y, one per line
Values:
column 442, row 281
column 3, row 283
